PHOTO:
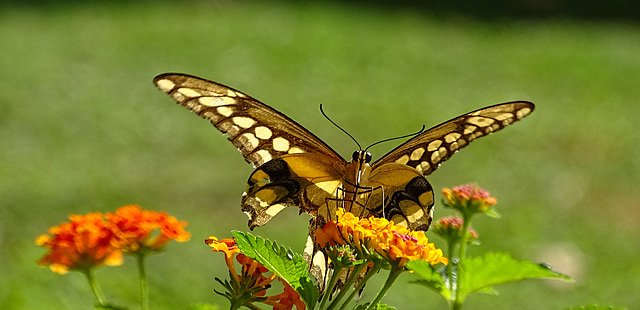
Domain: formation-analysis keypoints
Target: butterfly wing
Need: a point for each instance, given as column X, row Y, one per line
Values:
column 294, row 166
column 426, row 151
column 408, row 197
column 257, row 130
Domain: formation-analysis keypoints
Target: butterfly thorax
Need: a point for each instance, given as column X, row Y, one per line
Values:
column 355, row 184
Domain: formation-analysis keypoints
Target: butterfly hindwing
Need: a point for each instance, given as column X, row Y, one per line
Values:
column 404, row 196
column 302, row 180
column 426, row 151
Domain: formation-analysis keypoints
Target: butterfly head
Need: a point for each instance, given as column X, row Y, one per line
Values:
column 361, row 157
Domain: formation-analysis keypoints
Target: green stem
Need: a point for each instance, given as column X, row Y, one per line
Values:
column 95, row 287
column 452, row 259
column 393, row 275
column 142, row 277
column 329, row 287
column 370, row 273
column 457, row 300
column 354, row 274
column 463, row 239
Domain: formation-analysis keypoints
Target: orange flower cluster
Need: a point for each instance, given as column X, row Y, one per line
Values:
column 85, row 241
column 396, row 244
column 468, row 198
column 142, row 229
column 97, row 239
column 254, row 272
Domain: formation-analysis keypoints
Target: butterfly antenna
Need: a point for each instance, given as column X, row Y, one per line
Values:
column 395, row 138
column 334, row 123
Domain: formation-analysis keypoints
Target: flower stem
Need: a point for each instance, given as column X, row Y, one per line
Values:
column 353, row 275
column 371, row 272
column 329, row 287
column 95, row 287
column 462, row 252
column 142, row 277
column 393, row 275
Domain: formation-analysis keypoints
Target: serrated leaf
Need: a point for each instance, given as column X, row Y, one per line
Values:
column 499, row 268
column 429, row 277
column 284, row 263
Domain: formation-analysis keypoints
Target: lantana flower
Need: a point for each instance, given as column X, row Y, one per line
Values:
column 470, row 199
column 394, row 243
column 86, row 241
column 143, row 230
column 450, row 228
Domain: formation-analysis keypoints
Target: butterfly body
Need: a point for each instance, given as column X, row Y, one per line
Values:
column 296, row 168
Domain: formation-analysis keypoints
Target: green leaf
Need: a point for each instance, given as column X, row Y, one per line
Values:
column 498, row 268
column 283, row 262
column 429, row 277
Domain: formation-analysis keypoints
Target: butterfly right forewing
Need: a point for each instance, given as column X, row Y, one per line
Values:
column 428, row 150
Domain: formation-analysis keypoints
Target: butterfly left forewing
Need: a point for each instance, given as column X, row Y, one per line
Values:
column 257, row 130
column 294, row 167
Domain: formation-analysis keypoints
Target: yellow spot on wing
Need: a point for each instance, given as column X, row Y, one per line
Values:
column 225, row 111
column 523, row 112
column 295, row 150
column 434, row 145
column 274, row 209
column 469, row 129
column 189, row 92
column 403, row 160
column 263, row 132
column 244, row 122
column 248, row 141
column 165, row 85
column 503, row 116
column 452, row 137
column 262, row 156
column 216, row 101
column 417, row 153
column 280, row 144
column 480, row 121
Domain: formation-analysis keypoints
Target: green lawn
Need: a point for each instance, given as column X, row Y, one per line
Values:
column 83, row 129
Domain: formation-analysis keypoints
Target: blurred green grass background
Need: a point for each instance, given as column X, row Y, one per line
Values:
column 83, row 129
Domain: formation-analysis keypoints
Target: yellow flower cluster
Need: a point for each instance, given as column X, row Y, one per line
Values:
column 395, row 243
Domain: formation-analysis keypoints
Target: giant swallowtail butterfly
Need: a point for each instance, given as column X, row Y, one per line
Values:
column 296, row 168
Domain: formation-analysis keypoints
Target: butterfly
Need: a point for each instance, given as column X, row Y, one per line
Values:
column 296, row 168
